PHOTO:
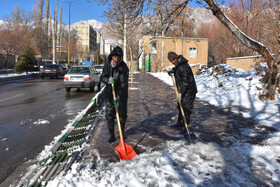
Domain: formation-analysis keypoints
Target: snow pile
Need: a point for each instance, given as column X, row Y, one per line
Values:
column 178, row 164
column 13, row 75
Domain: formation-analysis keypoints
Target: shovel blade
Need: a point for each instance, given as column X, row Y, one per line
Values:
column 191, row 138
column 125, row 151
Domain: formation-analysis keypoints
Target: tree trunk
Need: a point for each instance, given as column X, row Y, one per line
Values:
column 273, row 73
column 6, row 61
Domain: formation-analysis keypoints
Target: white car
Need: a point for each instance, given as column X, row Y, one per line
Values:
column 81, row 77
column 98, row 68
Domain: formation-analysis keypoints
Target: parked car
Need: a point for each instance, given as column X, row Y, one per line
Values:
column 98, row 68
column 52, row 70
column 81, row 77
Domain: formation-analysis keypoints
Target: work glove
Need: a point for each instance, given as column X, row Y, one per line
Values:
column 171, row 72
column 111, row 80
column 116, row 102
column 179, row 97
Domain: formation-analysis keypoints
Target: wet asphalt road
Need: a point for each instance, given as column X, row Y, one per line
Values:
column 32, row 113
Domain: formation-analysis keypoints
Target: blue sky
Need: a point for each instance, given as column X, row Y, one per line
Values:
column 80, row 10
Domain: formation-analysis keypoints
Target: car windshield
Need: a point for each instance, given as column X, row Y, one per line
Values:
column 98, row 67
column 79, row 70
column 51, row 66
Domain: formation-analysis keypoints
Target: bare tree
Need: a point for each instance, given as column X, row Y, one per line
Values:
column 272, row 75
column 15, row 33
column 272, row 27
column 121, row 13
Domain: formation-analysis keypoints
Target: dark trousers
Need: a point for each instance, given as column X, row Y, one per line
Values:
column 110, row 115
column 187, row 102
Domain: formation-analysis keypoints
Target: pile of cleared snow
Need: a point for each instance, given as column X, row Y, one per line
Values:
column 178, row 164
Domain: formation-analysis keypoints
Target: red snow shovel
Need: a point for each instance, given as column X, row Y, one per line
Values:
column 124, row 150
column 183, row 113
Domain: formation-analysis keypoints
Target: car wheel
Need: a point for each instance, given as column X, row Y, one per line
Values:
column 68, row 89
column 92, row 87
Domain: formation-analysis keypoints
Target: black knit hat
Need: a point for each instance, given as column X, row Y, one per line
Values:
column 171, row 56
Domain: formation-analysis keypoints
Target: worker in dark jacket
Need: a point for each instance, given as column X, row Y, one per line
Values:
column 186, row 86
column 115, row 71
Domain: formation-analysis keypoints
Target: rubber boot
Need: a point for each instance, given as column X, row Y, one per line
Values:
column 180, row 123
column 182, row 132
column 111, row 132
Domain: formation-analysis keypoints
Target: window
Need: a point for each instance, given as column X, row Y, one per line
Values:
column 154, row 47
column 192, row 52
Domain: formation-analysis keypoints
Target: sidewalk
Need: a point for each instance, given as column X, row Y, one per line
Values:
column 152, row 108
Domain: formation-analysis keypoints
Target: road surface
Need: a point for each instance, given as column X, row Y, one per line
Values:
column 32, row 113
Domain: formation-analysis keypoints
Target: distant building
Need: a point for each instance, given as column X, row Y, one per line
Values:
column 107, row 48
column 100, row 43
column 154, row 50
column 87, row 41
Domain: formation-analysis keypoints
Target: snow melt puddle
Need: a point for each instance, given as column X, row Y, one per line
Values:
column 41, row 122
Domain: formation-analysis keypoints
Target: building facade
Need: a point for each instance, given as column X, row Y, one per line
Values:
column 154, row 50
column 86, row 41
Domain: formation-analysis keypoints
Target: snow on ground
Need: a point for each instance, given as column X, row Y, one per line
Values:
column 41, row 122
column 239, row 93
column 200, row 164
column 15, row 74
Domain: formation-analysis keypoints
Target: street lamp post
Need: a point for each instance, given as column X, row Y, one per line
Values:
column 69, row 2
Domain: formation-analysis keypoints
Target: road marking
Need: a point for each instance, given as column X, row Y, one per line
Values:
column 12, row 97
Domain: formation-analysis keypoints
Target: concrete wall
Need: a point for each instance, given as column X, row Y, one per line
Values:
column 246, row 63
column 166, row 44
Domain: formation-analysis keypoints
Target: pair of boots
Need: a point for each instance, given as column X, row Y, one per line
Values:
column 111, row 130
column 179, row 126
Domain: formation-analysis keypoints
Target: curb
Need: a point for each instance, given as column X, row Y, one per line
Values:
column 20, row 77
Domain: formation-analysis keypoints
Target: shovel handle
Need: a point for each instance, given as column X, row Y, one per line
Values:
column 117, row 111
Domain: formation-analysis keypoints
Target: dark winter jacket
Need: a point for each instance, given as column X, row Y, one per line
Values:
column 183, row 74
column 120, row 74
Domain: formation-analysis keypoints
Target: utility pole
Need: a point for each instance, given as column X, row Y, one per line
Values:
column 69, row 2
column 124, row 42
